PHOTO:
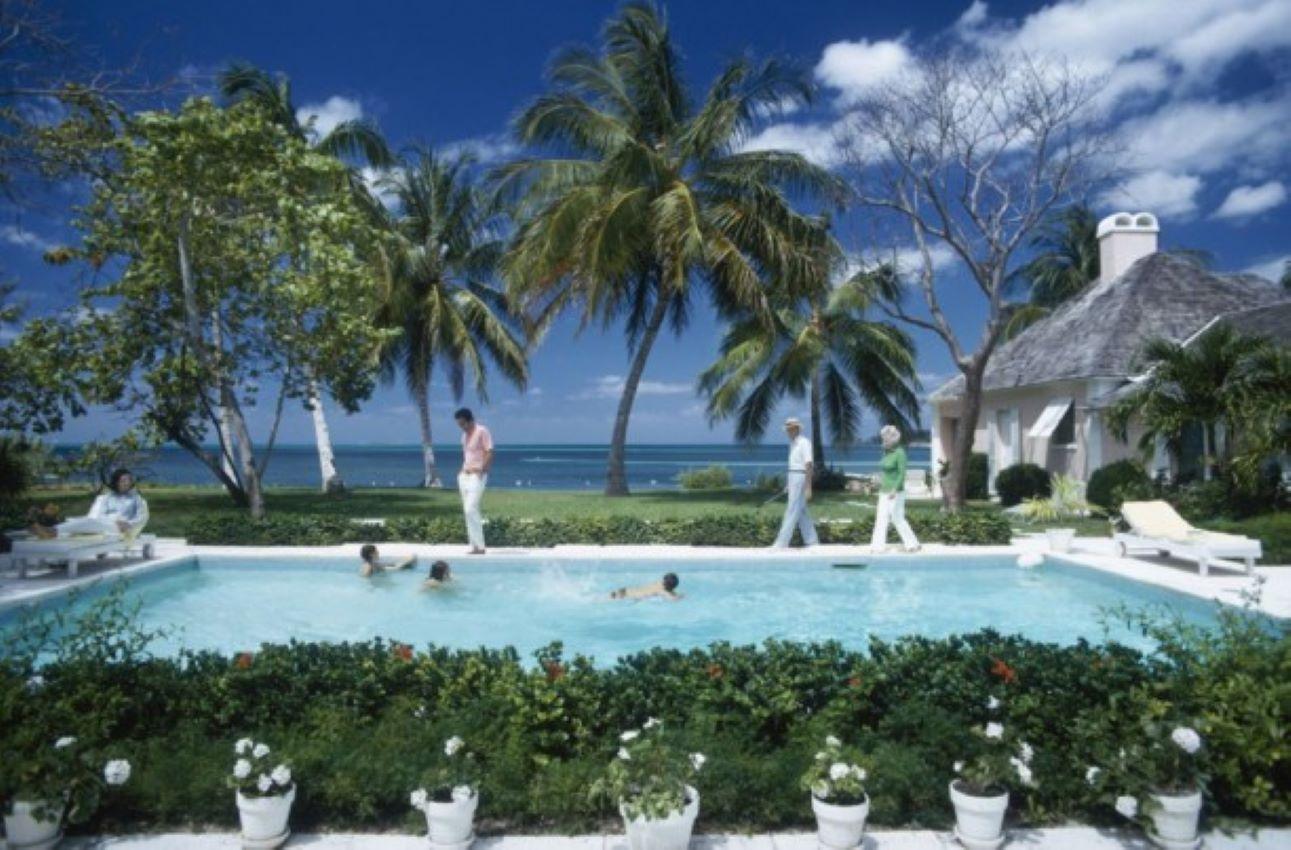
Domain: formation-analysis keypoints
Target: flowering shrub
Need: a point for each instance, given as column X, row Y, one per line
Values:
column 254, row 772
column 47, row 771
column 997, row 757
column 1166, row 759
column 836, row 775
column 455, row 777
column 647, row 776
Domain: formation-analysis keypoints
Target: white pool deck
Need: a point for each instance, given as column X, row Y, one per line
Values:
column 1062, row 838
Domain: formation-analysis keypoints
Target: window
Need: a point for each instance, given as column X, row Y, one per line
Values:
column 1065, row 433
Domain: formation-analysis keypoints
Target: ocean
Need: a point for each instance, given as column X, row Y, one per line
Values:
column 538, row 467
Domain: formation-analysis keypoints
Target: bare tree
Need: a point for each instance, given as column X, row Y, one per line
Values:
column 973, row 152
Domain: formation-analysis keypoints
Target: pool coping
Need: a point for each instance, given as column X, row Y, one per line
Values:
column 1227, row 584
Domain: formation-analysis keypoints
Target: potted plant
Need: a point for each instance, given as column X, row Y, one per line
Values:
column 1158, row 782
column 836, row 783
column 1066, row 500
column 449, row 796
column 980, row 793
column 650, row 780
column 47, row 783
column 264, row 792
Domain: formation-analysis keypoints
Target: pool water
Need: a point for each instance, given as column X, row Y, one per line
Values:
column 233, row 604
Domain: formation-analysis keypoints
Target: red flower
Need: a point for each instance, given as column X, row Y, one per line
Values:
column 854, row 682
column 243, row 661
column 402, row 650
column 1003, row 672
column 715, row 671
column 555, row 671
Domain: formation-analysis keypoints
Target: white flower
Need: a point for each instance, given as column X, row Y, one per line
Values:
column 859, row 773
column 630, row 735
column 65, row 741
column 992, row 703
column 116, row 772
column 651, row 722
column 1024, row 772
column 281, row 775
column 994, row 730
column 1025, row 751
column 419, row 798
column 260, row 751
column 820, row 789
column 958, row 766
column 1187, row 739
column 243, row 746
column 838, row 771
column 452, row 745
column 35, row 683
column 697, row 760
column 1127, row 806
column 831, row 741
column 624, row 754
column 822, row 755
column 419, row 712
column 241, row 769
column 264, row 783
column 462, row 793
column 1091, row 775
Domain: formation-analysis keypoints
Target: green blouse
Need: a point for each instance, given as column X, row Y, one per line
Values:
column 893, row 469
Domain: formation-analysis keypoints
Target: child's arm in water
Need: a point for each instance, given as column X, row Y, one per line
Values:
column 400, row 565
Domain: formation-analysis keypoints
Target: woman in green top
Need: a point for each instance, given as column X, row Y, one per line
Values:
column 891, row 506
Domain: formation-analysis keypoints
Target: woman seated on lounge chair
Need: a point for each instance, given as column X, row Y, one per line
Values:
column 120, row 512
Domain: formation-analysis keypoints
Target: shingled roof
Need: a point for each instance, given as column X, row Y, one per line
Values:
column 1097, row 334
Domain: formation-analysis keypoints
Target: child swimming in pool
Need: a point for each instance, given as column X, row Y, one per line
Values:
column 439, row 578
column 372, row 562
column 665, row 588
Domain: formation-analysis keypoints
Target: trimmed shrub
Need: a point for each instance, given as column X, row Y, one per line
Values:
column 979, row 473
column 1022, row 481
column 708, row 478
column 1112, row 484
column 830, row 480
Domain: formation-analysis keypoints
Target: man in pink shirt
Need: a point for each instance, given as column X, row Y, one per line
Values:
column 477, row 457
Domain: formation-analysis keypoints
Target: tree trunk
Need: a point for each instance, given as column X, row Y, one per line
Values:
column 970, row 409
column 817, row 435
column 616, row 479
column 331, row 479
column 1205, row 451
column 429, row 473
column 246, row 452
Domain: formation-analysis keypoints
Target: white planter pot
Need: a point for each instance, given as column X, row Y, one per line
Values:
column 264, row 819
column 979, row 821
column 452, row 824
column 1175, row 819
column 839, row 827
column 27, row 833
column 1060, row 539
column 670, row 833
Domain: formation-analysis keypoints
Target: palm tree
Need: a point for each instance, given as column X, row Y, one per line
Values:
column 823, row 347
column 645, row 194
column 440, row 298
column 1200, row 383
column 354, row 141
column 1066, row 263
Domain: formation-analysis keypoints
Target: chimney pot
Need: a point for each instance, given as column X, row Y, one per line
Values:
column 1123, row 240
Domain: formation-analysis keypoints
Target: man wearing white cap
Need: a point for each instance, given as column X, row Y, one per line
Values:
column 798, row 485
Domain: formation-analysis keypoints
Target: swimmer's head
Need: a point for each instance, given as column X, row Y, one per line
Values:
column 439, row 571
column 670, row 582
column 368, row 552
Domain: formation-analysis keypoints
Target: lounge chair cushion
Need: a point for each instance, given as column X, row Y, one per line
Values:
column 1158, row 519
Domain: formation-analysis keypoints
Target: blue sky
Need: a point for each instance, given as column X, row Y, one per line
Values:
column 1202, row 91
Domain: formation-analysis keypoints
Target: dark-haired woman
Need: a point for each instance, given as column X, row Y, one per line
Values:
column 120, row 512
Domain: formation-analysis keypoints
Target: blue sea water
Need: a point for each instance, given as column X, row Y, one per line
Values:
column 541, row 467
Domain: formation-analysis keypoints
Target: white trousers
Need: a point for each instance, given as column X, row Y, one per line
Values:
column 88, row 525
column 796, row 515
column 891, row 507
column 471, row 487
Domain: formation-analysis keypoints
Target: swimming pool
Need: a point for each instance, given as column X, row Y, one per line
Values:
column 237, row 603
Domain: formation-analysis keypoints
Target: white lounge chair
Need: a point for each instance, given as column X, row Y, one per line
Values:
column 1156, row 525
column 29, row 550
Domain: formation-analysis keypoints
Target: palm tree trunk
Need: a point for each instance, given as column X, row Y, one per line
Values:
column 1205, row 451
column 817, row 435
column 429, row 474
column 616, row 479
column 331, row 479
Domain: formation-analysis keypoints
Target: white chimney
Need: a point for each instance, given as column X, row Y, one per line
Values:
column 1124, row 239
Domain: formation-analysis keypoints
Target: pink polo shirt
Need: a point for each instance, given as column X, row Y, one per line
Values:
column 474, row 445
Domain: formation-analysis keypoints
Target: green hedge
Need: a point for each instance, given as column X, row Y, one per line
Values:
column 747, row 530
column 361, row 721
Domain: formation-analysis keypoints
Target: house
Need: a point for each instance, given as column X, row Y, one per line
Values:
column 1046, row 390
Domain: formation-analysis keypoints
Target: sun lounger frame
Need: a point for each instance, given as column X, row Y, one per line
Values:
column 1200, row 551
column 30, row 551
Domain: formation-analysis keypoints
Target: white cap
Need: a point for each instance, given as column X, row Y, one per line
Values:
column 794, row 421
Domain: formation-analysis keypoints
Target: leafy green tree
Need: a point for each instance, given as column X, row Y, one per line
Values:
column 646, row 195
column 228, row 270
column 825, row 348
column 353, row 141
column 1260, row 402
column 440, row 300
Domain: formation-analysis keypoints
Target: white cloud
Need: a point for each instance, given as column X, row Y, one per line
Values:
column 1271, row 269
column 486, row 149
column 1251, row 200
column 1160, row 192
column 1206, row 135
column 372, row 178
column 909, row 259
column 329, row 114
column 611, row 386
column 856, row 68
column 15, row 235
column 974, row 16
column 817, row 142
